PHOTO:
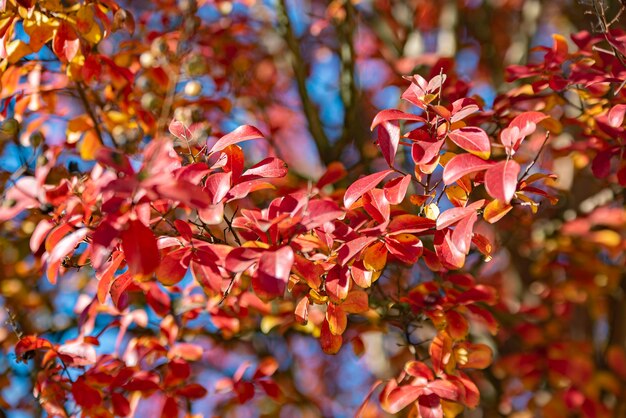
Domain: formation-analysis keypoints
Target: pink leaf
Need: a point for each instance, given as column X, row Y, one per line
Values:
column 401, row 397
column 501, row 180
column 376, row 205
column 363, row 185
column 80, row 353
column 453, row 215
column 65, row 247
column 217, row 186
column 273, row 272
column 351, row 248
column 388, row 140
column 179, row 130
column 394, row 114
column 462, row 165
column 241, row 258
column 445, row 389
column 321, row 211
column 243, row 133
column 269, row 167
column 462, row 108
column 616, row 115
column 462, row 234
column 473, row 140
column 520, row 127
column 449, row 255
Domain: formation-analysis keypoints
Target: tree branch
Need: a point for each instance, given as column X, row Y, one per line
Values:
column 297, row 61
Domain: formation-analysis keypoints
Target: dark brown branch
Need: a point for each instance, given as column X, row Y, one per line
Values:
column 299, row 69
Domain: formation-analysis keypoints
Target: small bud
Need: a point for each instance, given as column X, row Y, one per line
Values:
column 193, row 88
column 147, row 60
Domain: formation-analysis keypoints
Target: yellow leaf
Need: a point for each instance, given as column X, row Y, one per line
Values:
column 16, row 50
column 607, row 238
column 451, row 409
column 76, row 127
column 40, row 29
column 456, row 195
column 495, row 210
column 431, row 211
column 90, row 145
column 375, row 257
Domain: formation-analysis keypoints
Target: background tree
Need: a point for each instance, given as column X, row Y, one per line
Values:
column 450, row 225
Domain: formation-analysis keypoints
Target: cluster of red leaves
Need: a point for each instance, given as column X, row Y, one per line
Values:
column 326, row 249
column 544, row 366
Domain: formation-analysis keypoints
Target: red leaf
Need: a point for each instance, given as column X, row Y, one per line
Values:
column 302, row 311
column 140, row 249
column 352, row 248
column 170, row 408
column 601, row 164
column 268, row 168
column 173, row 266
column 473, row 140
column 121, row 406
column 462, row 165
column 362, row 186
column 440, row 351
column 449, row 255
column 84, row 395
column 410, row 224
column 242, row 133
column 418, row 369
column 405, row 247
column 337, row 283
column 376, row 205
column 401, row 397
column 241, row 258
column 501, row 180
column 337, row 319
column 105, row 277
column 183, row 229
column 457, row 325
column 30, row 343
column 356, row 302
column 331, row 344
column 361, row 276
column 65, row 43
column 273, row 272
column 208, row 276
column 445, row 389
column 334, row 172
column 425, row 152
column 616, row 115
column 429, row 406
column 395, row 189
column 62, row 249
column 119, row 286
column 394, row 114
column 192, row 391
column 388, row 140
